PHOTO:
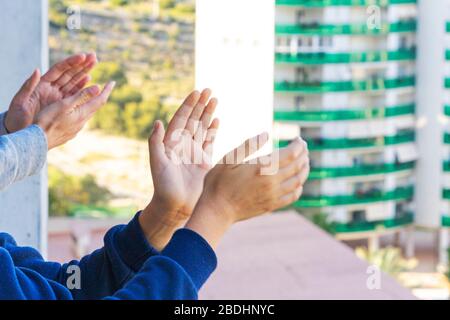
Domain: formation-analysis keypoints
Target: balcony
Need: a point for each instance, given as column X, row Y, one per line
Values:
column 319, row 173
column 316, row 29
column 321, row 144
column 399, row 194
column 344, row 115
column 405, row 220
column 345, row 86
column 352, row 3
column 354, row 57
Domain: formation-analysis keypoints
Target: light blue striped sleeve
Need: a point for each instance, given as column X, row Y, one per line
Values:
column 22, row 154
column 2, row 124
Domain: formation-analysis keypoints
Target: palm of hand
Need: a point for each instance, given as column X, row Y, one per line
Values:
column 64, row 79
column 181, row 157
column 181, row 178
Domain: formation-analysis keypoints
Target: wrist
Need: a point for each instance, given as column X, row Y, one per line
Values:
column 157, row 225
column 210, row 220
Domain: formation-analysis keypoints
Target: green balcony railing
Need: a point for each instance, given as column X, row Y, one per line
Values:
column 345, row 29
column 447, row 27
column 446, row 194
column 446, row 221
column 360, row 170
column 373, row 225
column 344, row 86
column 355, row 57
column 326, row 3
column 342, row 115
column 447, row 83
column 446, row 138
column 344, row 143
column 447, row 110
column 399, row 194
column 446, row 166
column 447, row 55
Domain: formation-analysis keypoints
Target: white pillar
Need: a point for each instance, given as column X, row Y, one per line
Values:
column 235, row 58
column 23, row 47
column 430, row 64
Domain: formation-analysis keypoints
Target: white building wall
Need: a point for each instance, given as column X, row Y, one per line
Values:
column 234, row 57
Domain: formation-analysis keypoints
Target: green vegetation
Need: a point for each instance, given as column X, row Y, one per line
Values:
column 150, row 60
column 150, row 55
column 67, row 192
column 389, row 260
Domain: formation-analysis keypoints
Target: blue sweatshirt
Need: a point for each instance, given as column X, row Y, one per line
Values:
column 127, row 267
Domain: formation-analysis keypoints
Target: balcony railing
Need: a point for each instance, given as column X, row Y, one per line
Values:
column 355, row 57
column 345, row 29
column 446, row 138
column 398, row 194
column 344, row 86
column 321, row 144
column 373, row 225
column 319, row 173
column 341, row 115
column 325, row 3
column 446, row 221
column 446, row 194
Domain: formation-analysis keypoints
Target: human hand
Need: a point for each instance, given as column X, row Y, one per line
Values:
column 235, row 192
column 64, row 79
column 179, row 161
column 62, row 120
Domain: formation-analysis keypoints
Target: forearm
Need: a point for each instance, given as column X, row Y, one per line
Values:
column 209, row 221
column 159, row 224
column 22, row 154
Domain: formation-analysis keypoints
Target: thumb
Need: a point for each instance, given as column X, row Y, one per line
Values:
column 28, row 87
column 156, row 144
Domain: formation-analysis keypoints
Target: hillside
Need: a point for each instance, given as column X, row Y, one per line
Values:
column 149, row 51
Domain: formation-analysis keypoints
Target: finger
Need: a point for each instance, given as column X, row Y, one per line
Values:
column 291, row 184
column 80, row 85
column 294, row 168
column 81, row 97
column 290, row 198
column 156, row 144
column 205, row 121
column 93, row 104
column 72, row 84
column 211, row 137
column 246, row 149
column 28, row 87
column 69, row 74
column 194, row 119
column 58, row 69
column 291, row 152
column 181, row 117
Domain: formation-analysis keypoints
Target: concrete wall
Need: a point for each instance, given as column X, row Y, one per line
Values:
column 23, row 47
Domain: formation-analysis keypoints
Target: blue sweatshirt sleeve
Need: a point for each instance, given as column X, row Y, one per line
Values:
column 104, row 271
column 126, row 268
